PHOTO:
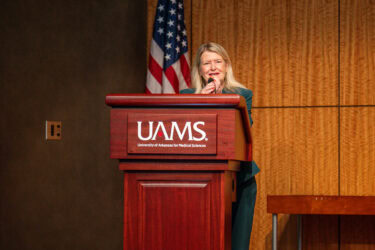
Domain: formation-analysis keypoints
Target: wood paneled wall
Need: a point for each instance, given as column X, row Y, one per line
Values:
column 311, row 66
column 357, row 52
column 357, row 116
column 285, row 51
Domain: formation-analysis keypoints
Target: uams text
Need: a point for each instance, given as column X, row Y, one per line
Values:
column 160, row 129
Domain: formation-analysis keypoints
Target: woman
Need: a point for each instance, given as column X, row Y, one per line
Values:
column 212, row 73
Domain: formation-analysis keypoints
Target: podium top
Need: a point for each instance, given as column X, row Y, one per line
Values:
column 176, row 100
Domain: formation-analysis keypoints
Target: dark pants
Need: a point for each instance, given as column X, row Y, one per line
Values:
column 243, row 210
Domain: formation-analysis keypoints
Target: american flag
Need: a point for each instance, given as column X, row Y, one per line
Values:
column 168, row 69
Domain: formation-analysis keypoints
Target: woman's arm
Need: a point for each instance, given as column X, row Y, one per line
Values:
column 248, row 95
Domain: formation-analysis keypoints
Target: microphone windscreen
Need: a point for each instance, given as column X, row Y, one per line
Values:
column 210, row 80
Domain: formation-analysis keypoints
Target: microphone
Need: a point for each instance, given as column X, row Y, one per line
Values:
column 211, row 80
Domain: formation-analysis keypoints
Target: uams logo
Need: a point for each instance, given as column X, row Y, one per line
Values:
column 159, row 129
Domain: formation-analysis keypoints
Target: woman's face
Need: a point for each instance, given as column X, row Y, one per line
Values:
column 213, row 65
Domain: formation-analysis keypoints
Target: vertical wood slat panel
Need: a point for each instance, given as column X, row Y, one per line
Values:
column 285, row 51
column 296, row 149
column 357, row 155
column 357, row 52
column 357, row 161
column 151, row 10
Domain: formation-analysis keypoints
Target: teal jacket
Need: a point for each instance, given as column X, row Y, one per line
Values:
column 248, row 95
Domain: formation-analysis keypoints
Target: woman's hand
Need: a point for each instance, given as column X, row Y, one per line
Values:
column 211, row 88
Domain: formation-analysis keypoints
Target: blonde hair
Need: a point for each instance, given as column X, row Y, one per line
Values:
column 198, row 81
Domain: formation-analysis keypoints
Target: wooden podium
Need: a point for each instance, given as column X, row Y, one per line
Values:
column 179, row 154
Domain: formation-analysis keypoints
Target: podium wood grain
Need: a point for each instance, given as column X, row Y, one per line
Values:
column 170, row 210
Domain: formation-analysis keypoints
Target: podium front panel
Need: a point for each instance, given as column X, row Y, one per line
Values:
column 230, row 137
column 176, row 210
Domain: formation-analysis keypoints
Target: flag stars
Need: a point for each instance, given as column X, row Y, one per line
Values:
column 169, row 34
column 179, row 16
column 178, row 27
column 160, row 31
column 172, row 11
column 184, row 43
column 160, row 19
column 170, row 23
column 167, row 57
column 180, row 5
column 161, row 7
column 168, row 45
column 178, row 49
column 184, row 32
column 178, row 38
column 173, row 1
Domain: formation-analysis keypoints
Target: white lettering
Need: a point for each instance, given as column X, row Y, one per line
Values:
column 181, row 135
column 140, row 131
column 195, row 126
column 160, row 131
column 161, row 125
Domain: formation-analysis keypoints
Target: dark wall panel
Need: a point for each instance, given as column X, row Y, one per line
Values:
column 58, row 60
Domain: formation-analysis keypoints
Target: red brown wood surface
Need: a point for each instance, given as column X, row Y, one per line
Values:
column 319, row 232
column 312, row 204
column 357, row 232
column 173, row 100
column 227, row 134
column 183, row 165
column 171, row 210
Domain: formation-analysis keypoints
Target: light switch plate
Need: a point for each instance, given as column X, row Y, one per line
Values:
column 53, row 130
